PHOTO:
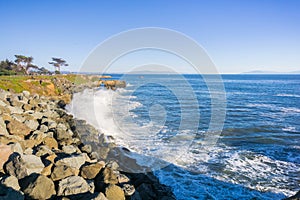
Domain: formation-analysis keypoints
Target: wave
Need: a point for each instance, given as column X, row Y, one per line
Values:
column 287, row 95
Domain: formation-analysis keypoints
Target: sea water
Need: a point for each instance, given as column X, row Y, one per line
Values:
column 256, row 154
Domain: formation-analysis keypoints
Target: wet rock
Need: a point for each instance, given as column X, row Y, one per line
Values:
column 114, row 192
column 37, row 186
column 72, row 185
column 146, row 192
column 90, row 171
column 61, row 104
column 295, row 197
column 24, row 165
column 10, row 181
column 63, row 171
column 74, row 161
column 15, row 127
column 7, row 193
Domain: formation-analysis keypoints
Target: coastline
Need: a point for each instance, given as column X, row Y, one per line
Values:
column 44, row 146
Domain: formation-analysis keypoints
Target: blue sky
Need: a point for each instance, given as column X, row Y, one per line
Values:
column 238, row 35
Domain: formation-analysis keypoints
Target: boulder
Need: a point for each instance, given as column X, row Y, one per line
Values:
column 72, row 185
column 86, row 148
column 294, row 197
column 69, row 149
column 50, row 142
column 24, row 165
column 114, row 192
column 4, row 156
column 128, row 189
column 108, row 176
column 15, row 110
column 123, row 178
column 37, row 186
column 7, row 193
column 63, row 171
column 3, row 130
column 6, row 139
column 100, row 196
column 90, row 171
column 10, row 181
column 43, row 150
column 62, row 132
column 43, row 128
column 15, row 127
column 49, row 122
column 16, row 147
column 32, row 124
column 74, row 161
column 26, row 94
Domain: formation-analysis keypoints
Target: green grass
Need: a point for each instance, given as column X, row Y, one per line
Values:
column 32, row 83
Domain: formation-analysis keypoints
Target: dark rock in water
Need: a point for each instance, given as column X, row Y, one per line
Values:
column 61, row 104
column 37, row 186
column 7, row 193
column 295, row 197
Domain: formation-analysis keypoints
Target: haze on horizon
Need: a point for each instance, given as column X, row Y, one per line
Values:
column 239, row 36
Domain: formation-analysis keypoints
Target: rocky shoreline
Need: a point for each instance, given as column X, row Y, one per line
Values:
column 46, row 153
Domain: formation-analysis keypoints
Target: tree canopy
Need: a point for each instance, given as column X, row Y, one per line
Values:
column 58, row 63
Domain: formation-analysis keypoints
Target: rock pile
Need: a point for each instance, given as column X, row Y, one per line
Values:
column 44, row 154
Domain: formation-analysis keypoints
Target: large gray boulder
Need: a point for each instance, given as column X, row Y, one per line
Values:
column 72, row 185
column 24, row 165
column 37, row 186
column 63, row 171
column 73, row 161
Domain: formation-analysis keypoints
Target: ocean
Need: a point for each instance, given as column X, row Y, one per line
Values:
column 166, row 121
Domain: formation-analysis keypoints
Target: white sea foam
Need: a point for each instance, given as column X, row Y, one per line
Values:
column 290, row 129
column 287, row 95
column 111, row 112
